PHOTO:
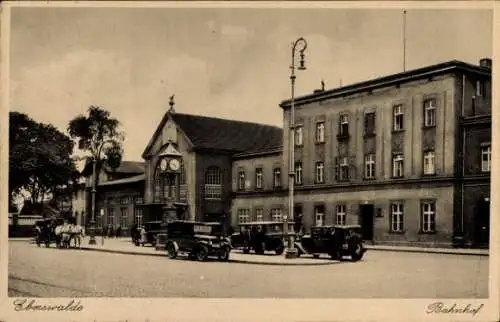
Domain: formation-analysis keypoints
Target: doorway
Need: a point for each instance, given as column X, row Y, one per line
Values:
column 482, row 223
column 366, row 213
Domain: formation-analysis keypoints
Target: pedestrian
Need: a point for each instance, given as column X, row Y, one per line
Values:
column 133, row 232
column 110, row 231
column 143, row 236
column 118, row 231
column 105, row 231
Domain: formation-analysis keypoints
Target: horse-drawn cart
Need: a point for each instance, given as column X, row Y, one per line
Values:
column 57, row 231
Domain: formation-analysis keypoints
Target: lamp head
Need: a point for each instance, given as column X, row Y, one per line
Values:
column 302, row 63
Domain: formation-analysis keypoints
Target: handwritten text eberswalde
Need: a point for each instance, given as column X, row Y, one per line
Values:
column 441, row 308
column 32, row 305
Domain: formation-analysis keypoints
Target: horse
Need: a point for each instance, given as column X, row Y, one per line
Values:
column 64, row 231
column 77, row 233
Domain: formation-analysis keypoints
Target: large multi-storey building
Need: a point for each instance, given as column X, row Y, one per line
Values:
column 406, row 156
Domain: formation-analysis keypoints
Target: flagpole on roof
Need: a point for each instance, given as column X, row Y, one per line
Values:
column 404, row 40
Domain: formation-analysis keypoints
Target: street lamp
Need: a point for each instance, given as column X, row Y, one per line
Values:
column 300, row 45
column 92, row 240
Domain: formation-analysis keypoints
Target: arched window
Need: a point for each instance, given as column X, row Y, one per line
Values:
column 213, row 183
column 183, row 173
column 165, row 186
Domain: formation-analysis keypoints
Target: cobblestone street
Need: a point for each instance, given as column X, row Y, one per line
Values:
column 53, row 272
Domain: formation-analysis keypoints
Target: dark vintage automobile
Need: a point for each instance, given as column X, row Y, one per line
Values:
column 260, row 236
column 337, row 241
column 45, row 231
column 153, row 228
column 198, row 240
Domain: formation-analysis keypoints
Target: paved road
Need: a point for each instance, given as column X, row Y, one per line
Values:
column 382, row 274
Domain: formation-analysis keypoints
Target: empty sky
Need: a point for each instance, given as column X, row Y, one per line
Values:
column 231, row 63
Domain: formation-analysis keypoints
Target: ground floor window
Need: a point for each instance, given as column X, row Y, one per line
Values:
column 397, row 217
column 124, row 218
column 340, row 217
column 319, row 215
column 259, row 214
column 276, row 214
column 243, row 215
column 111, row 217
column 428, row 218
column 138, row 216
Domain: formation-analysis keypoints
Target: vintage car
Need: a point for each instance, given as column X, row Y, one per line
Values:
column 198, row 240
column 152, row 228
column 260, row 236
column 337, row 241
column 45, row 231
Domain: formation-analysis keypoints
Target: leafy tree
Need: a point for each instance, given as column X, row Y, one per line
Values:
column 98, row 134
column 39, row 158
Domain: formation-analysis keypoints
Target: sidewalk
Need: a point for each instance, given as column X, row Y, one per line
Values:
column 125, row 246
column 452, row 251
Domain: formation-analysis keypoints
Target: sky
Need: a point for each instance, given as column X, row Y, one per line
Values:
column 230, row 63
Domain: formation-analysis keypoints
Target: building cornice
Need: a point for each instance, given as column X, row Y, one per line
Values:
column 250, row 155
column 390, row 80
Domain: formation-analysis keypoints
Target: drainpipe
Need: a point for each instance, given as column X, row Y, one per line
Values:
column 463, row 161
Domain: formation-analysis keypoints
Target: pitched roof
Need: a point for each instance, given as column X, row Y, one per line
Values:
column 138, row 178
column 128, row 167
column 222, row 134
column 393, row 79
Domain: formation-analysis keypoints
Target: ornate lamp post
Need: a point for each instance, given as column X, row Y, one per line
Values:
column 92, row 240
column 299, row 45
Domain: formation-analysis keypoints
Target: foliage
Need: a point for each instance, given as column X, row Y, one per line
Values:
column 39, row 157
column 98, row 134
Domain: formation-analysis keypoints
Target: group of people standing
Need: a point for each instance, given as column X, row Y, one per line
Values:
column 110, row 232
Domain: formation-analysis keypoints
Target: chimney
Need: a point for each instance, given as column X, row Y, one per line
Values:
column 485, row 62
column 322, row 89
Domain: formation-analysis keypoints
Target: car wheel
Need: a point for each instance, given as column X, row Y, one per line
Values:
column 279, row 250
column 224, row 253
column 336, row 255
column 357, row 252
column 136, row 243
column 171, row 252
column 202, row 253
column 153, row 243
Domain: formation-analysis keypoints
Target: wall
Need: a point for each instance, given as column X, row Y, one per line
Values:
column 381, row 101
column 249, row 164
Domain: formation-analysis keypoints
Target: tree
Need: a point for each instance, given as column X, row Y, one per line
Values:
column 39, row 158
column 97, row 133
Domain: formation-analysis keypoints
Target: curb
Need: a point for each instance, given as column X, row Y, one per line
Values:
column 238, row 261
column 428, row 251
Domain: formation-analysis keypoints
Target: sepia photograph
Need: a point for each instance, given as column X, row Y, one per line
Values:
column 219, row 152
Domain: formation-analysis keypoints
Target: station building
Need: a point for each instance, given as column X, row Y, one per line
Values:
column 407, row 156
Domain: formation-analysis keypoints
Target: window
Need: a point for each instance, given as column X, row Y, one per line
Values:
column 258, row 178
column 124, row 218
column 111, row 216
column 139, row 216
column 320, row 172
column 398, row 118
column 99, row 219
column 298, row 173
column 344, row 125
column 241, row 180
column 320, row 132
column 319, row 215
column 486, row 158
column 213, row 183
column 480, row 91
column 344, row 169
column 370, row 166
column 370, row 124
column 276, row 214
column 138, row 200
column 430, row 112
column 397, row 165
column 243, row 215
column 182, row 173
column 124, row 201
column 429, row 167
column 277, row 177
column 428, row 217
column 299, row 135
column 259, row 214
column 340, row 216
column 397, row 217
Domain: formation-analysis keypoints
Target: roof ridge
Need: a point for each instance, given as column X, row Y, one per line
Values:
column 229, row 120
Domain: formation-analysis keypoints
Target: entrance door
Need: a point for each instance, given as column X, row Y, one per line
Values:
column 482, row 226
column 366, row 213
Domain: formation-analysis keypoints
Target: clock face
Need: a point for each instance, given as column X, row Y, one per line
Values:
column 175, row 164
column 163, row 165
